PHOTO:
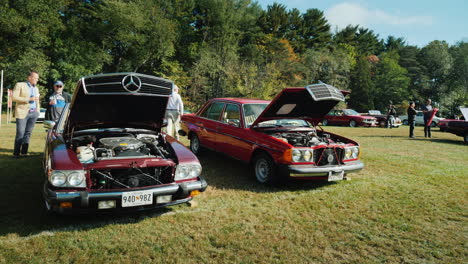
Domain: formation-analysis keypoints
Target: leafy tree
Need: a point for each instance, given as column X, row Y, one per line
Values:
column 391, row 81
column 361, row 86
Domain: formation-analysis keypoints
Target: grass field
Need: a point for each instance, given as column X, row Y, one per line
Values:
column 409, row 205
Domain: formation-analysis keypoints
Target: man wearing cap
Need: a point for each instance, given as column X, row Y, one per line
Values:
column 56, row 102
column 26, row 98
column 174, row 111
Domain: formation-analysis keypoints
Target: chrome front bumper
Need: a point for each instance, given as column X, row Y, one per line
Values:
column 297, row 171
column 87, row 201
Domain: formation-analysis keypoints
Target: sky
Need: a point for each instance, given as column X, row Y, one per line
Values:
column 418, row 22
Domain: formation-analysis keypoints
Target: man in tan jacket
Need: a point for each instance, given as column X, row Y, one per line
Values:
column 27, row 107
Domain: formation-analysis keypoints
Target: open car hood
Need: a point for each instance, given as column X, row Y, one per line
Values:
column 119, row 100
column 309, row 103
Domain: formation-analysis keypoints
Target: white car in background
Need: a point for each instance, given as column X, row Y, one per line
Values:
column 41, row 117
column 420, row 119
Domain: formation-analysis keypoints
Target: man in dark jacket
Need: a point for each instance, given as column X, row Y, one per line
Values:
column 56, row 102
column 411, row 119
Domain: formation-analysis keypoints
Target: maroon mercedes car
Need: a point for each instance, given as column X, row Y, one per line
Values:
column 348, row 117
column 107, row 151
column 281, row 138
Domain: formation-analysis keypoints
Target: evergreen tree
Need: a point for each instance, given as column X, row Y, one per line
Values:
column 361, row 86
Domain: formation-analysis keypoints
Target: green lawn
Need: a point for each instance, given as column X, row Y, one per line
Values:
column 408, row 205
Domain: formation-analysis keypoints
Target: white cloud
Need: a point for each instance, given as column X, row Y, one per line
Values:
column 343, row 14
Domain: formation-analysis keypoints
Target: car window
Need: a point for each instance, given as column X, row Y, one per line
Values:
column 213, row 111
column 331, row 113
column 251, row 112
column 350, row 112
column 231, row 115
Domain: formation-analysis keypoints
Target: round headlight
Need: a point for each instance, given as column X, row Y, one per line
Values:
column 75, row 178
column 307, row 155
column 355, row 152
column 195, row 170
column 348, row 153
column 182, row 172
column 296, row 155
column 58, row 179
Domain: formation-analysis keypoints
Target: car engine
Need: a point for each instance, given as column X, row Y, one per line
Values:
column 90, row 148
column 303, row 139
column 95, row 147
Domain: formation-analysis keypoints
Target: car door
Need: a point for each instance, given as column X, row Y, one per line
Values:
column 340, row 117
column 231, row 134
column 208, row 122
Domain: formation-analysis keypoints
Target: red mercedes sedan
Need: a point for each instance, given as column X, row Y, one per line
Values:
column 348, row 117
column 281, row 138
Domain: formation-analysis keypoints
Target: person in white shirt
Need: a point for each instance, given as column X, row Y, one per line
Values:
column 174, row 111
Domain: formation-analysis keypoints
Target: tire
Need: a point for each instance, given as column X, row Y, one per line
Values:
column 352, row 123
column 433, row 124
column 382, row 123
column 195, row 146
column 465, row 139
column 325, row 122
column 264, row 169
column 405, row 122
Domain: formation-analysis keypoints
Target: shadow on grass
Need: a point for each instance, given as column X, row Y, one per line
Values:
column 23, row 210
column 22, row 207
column 223, row 172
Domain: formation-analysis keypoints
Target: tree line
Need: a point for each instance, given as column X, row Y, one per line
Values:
column 225, row 48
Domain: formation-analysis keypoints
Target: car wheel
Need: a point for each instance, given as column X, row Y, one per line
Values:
column 465, row 139
column 265, row 169
column 195, row 144
column 352, row 123
column 405, row 122
column 382, row 123
column 325, row 122
column 433, row 124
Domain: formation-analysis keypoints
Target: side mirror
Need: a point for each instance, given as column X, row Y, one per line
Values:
column 48, row 124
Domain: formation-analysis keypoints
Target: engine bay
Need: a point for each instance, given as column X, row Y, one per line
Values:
column 308, row 138
column 91, row 148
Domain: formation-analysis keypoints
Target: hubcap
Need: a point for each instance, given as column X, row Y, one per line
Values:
column 352, row 123
column 262, row 170
column 195, row 144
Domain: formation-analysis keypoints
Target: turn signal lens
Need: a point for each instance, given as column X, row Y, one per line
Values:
column 287, row 155
column 194, row 192
column 65, row 205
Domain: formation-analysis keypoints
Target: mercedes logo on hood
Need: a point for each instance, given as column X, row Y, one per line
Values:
column 131, row 83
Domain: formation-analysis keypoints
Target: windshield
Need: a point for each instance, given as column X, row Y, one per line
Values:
column 284, row 122
column 374, row 112
column 350, row 112
column 251, row 112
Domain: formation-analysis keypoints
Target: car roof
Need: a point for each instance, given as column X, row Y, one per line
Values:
column 243, row 100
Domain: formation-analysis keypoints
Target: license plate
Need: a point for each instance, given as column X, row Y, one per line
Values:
column 335, row 176
column 137, row 198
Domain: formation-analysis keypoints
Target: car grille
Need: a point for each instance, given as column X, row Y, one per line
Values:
column 105, row 179
column 328, row 156
column 114, row 84
column 324, row 91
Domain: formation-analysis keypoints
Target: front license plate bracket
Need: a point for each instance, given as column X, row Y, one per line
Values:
column 335, row 175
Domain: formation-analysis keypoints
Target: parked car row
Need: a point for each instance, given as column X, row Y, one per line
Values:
column 419, row 119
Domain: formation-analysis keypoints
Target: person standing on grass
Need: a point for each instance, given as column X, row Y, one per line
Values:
column 427, row 110
column 56, row 102
column 174, row 111
column 411, row 118
column 27, row 107
column 391, row 115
